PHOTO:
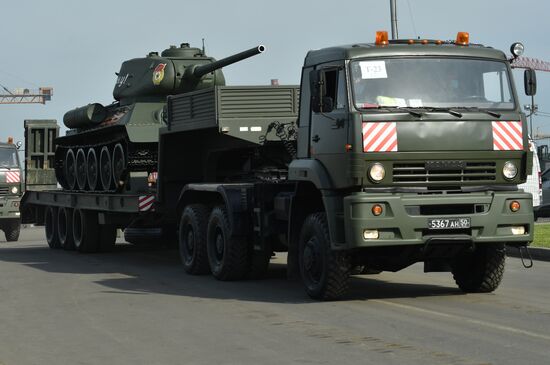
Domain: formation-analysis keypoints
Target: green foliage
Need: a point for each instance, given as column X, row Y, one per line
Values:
column 542, row 235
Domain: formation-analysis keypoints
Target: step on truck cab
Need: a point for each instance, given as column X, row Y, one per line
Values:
column 404, row 151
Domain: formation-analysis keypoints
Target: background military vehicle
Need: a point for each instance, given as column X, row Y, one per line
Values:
column 10, row 190
column 106, row 145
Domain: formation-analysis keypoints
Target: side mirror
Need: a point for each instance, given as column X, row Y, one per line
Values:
column 530, row 82
column 315, row 90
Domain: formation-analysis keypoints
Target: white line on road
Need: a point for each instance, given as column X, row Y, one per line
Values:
column 469, row 320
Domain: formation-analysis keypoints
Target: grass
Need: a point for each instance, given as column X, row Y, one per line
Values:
column 542, row 235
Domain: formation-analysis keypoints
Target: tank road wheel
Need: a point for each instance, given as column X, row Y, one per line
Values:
column 480, row 271
column 325, row 273
column 119, row 164
column 92, row 169
column 85, row 231
column 50, row 225
column 105, row 170
column 69, row 169
column 192, row 239
column 81, row 169
column 65, row 228
column 227, row 254
column 12, row 230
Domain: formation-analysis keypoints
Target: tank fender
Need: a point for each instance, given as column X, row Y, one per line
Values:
column 306, row 169
column 237, row 199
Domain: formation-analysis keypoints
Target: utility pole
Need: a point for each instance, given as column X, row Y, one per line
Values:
column 393, row 13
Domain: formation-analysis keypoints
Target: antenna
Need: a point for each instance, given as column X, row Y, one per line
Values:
column 393, row 14
column 203, row 50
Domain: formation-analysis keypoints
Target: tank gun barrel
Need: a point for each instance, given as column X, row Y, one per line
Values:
column 200, row 71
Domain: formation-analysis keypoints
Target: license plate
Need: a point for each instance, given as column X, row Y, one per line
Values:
column 449, row 223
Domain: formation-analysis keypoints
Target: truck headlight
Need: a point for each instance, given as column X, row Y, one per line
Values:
column 14, row 190
column 517, row 49
column 509, row 170
column 377, row 172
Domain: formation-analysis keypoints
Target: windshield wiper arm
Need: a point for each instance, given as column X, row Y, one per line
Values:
column 408, row 110
column 454, row 113
column 487, row 111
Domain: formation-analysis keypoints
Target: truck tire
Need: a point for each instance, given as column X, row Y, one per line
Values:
column 50, row 226
column 325, row 273
column 65, row 228
column 480, row 271
column 107, row 237
column 192, row 239
column 227, row 254
column 85, row 231
column 12, row 230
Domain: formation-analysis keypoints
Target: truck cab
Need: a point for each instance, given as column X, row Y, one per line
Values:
column 10, row 190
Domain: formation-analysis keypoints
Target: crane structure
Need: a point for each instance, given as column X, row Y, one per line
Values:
column 532, row 63
column 26, row 96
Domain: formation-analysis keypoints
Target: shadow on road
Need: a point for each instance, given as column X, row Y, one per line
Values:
column 131, row 270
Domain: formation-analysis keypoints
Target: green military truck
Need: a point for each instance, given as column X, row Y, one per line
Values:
column 10, row 190
column 390, row 153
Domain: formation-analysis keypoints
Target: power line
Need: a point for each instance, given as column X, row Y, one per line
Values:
column 412, row 19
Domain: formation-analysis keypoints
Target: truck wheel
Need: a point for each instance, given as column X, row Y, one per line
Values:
column 65, row 228
column 227, row 254
column 480, row 271
column 85, row 231
column 107, row 237
column 50, row 226
column 325, row 273
column 12, row 230
column 192, row 239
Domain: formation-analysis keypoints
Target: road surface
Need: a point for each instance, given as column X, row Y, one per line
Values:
column 137, row 306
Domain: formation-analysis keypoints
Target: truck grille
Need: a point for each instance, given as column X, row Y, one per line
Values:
column 4, row 190
column 416, row 172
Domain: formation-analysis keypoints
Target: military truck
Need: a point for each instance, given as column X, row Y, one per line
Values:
column 390, row 153
column 10, row 190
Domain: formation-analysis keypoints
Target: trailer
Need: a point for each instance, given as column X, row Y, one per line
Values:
column 387, row 154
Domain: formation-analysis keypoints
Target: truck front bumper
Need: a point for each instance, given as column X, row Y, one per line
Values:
column 405, row 216
column 9, row 207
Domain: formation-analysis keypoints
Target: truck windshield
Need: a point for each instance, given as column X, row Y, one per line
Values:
column 431, row 83
column 8, row 158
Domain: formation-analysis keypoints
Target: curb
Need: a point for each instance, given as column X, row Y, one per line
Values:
column 537, row 253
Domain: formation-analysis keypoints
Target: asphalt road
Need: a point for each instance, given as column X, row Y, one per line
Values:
column 137, row 306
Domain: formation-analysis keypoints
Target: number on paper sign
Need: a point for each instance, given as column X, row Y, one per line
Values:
column 373, row 70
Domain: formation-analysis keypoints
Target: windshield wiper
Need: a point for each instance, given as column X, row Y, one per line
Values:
column 408, row 110
column 454, row 113
column 478, row 109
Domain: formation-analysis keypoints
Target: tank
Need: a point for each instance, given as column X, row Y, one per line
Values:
column 106, row 145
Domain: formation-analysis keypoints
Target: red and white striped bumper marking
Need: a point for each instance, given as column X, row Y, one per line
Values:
column 379, row 137
column 146, row 202
column 507, row 136
column 13, row 176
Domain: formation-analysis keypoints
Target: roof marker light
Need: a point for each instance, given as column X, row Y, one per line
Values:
column 381, row 38
column 462, row 38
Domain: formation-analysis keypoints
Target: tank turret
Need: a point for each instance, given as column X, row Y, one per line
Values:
column 104, row 144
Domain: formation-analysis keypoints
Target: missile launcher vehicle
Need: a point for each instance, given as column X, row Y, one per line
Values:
column 106, row 145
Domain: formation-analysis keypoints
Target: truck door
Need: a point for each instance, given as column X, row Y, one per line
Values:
column 329, row 130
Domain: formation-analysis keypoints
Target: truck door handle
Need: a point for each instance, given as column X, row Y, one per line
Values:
column 316, row 138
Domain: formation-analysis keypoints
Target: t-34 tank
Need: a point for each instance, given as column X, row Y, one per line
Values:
column 105, row 144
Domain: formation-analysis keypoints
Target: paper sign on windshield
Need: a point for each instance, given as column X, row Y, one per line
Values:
column 373, row 69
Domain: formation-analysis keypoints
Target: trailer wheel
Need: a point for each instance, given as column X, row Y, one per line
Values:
column 65, row 228
column 480, row 271
column 227, row 254
column 325, row 273
column 69, row 169
column 192, row 239
column 92, row 169
column 81, row 168
column 85, row 231
column 50, row 226
column 105, row 170
column 107, row 237
column 12, row 230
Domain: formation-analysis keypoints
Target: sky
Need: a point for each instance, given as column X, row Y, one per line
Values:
column 76, row 47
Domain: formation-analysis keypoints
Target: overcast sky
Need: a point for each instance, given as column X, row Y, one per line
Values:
column 76, row 47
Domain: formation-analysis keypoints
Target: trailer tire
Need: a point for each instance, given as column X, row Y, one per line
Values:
column 85, row 231
column 12, row 230
column 192, row 239
column 480, row 271
column 107, row 237
column 227, row 254
column 65, row 228
column 325, row 273
column 50, row 226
